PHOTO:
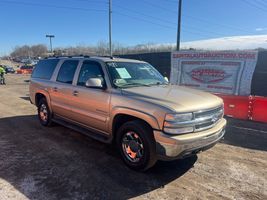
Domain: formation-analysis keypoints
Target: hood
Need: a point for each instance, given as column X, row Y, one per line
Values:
column 176, row 98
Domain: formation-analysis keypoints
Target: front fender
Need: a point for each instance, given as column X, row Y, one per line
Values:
column 150, row 119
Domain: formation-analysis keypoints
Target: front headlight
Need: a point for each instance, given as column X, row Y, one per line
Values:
column 179, row 117
column 178, row 123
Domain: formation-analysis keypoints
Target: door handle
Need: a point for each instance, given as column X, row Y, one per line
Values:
column 75, row 93
column 55, row 89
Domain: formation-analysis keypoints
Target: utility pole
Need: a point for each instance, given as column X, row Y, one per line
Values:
column 50, row 39
column 110, row 28
column 179, row 25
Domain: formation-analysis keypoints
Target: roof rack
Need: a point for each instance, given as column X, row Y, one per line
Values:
column 84, row 56
column 111, row 57
column 72, row 56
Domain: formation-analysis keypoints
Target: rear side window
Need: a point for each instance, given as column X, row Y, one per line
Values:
column 67, row 71
column 45, row 69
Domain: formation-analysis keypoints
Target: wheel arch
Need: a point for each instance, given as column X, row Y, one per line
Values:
column 42, row 94
column 122, row 115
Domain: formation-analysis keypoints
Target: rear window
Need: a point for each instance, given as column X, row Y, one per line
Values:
column 45, row 69
column 67, row 71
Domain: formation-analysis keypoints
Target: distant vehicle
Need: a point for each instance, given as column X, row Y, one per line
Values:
column 9, row 70
column 25, row 69
column 127, row 102
column 29, row 61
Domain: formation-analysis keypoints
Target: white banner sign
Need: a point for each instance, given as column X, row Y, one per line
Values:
column 227, row 72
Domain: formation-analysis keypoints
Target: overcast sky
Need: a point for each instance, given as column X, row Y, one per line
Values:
column 85, row 22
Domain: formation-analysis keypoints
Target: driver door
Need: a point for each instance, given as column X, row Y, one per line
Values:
column 91, row 105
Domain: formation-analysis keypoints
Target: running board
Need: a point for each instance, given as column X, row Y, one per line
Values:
column 93, row 134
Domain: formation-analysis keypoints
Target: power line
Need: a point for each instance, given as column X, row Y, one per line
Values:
column 144, row 20
column 216, row 24
column 261, row 3
column 202, row 30
column 191, row 17
column 169, row 22
column 170, row 1
column 264, row 2
column 197, row 32
column 188, row 30
column 160, row 7
column 90, row 1
column 140, row 13
column 51, row 6
column 254, row 5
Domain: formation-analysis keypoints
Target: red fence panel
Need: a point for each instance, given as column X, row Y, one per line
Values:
column 236, row 106
column 243, row 107
column 259, row 109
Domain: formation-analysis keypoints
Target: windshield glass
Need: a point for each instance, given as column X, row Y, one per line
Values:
column 126, row 74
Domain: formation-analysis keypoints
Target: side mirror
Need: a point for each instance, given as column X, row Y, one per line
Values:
column 166, row 78
column 95, row 83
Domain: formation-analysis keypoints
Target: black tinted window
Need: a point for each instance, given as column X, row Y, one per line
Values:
column 89, row 70
column 26, row 67
column 45, row 69
column 67, row 71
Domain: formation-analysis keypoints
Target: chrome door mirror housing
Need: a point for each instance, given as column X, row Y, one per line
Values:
column 166, row 79
column 95, row 83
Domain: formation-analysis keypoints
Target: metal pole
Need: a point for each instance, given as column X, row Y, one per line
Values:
column 110, row 28
column 179, row 25
column 50, row 39
column 51, row 49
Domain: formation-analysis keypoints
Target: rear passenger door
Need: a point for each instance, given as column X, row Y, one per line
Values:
column 62, row 91
column 91, row 105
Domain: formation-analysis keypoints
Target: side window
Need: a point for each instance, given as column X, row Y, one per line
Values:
column 89, row 69
column 67, row 71
column 45, row 69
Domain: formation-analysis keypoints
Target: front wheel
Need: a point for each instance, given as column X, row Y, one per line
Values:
column 137, row 145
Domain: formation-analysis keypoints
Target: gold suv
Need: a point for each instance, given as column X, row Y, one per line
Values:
column 127, row 102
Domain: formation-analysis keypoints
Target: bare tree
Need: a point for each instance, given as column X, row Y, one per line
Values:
column 38, row 50
column 26, row 51
column 101, row 49
column 21, row 51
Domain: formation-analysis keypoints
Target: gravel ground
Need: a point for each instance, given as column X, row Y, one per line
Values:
column 58, row 163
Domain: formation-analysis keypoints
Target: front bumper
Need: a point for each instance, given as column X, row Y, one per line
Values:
column 171, row 147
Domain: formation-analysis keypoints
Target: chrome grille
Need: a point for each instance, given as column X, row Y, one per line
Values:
column 200, row 121
column 208, row 118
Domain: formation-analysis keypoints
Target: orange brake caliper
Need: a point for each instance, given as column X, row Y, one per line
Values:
column 131, row 153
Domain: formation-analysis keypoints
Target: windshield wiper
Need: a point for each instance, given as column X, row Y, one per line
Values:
column 133, row 84
column 159, row 83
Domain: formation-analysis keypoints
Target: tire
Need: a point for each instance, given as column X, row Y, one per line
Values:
column 137, row 145
column 44, row 113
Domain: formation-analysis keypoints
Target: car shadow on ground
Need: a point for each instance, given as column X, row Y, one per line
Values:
column 246, row 134
column 58, row 163
column 26, row 98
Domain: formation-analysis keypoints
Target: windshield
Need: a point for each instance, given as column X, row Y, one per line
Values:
column 125, row 74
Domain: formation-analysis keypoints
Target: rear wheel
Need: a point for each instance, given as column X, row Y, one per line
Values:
column 44, row 114
column 136, row 144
